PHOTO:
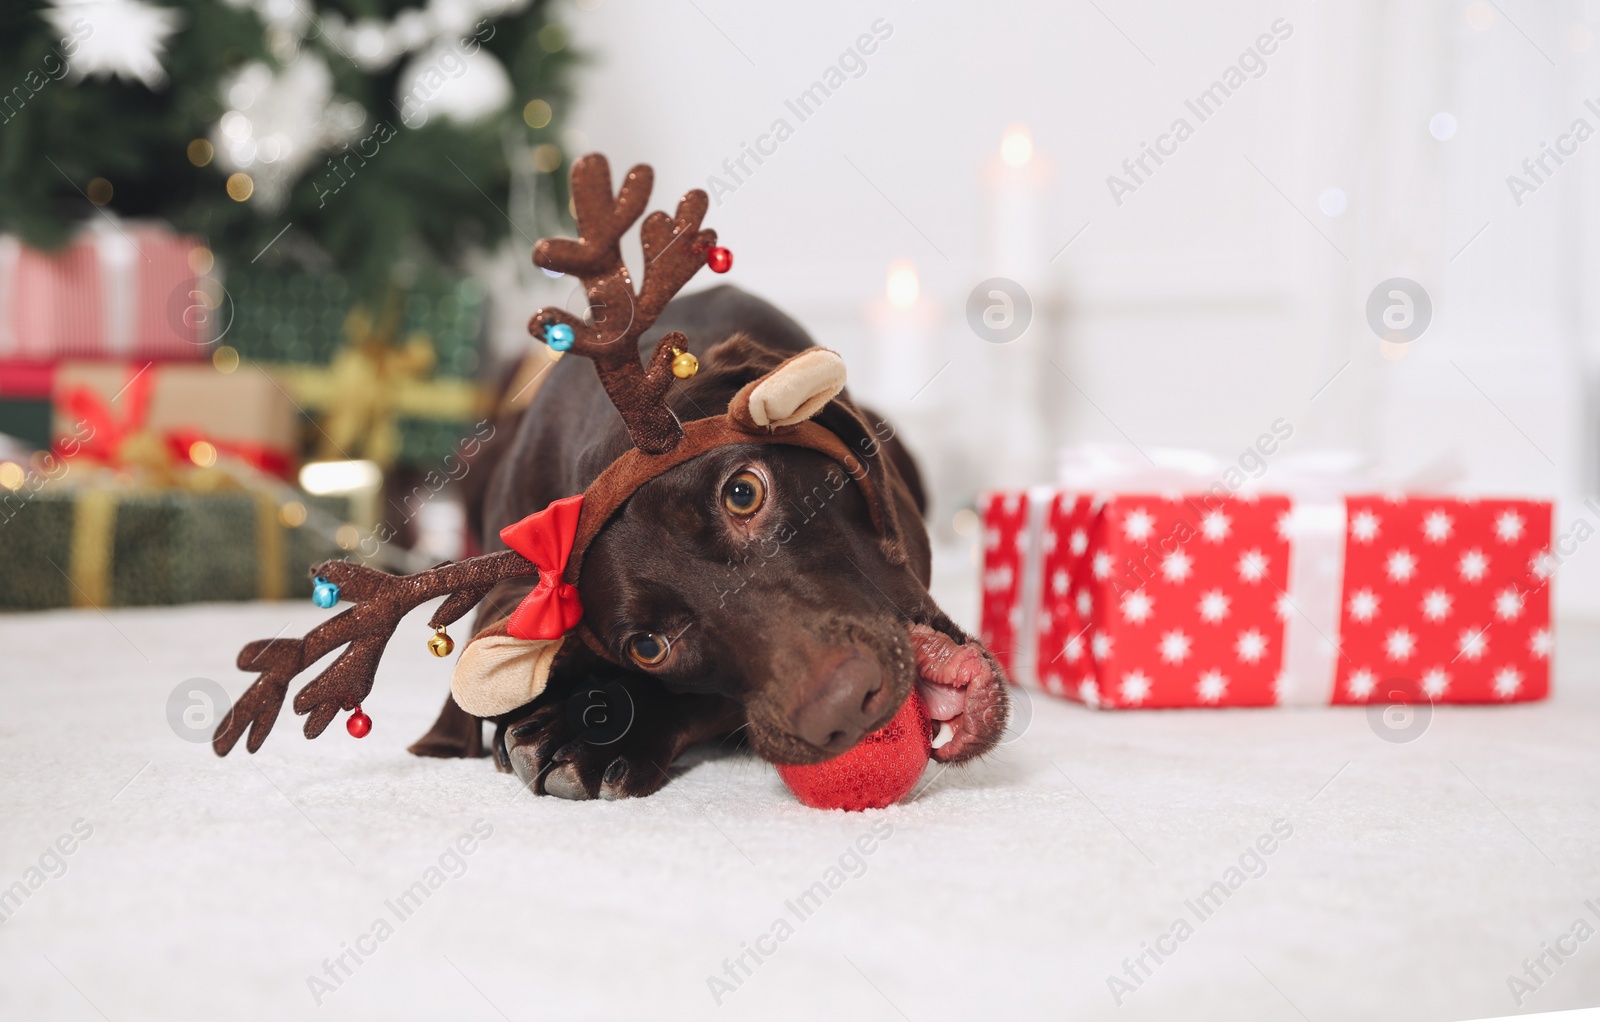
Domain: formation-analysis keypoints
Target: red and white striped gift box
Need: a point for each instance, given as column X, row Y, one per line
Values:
column 118, row 291
column 1142, row 600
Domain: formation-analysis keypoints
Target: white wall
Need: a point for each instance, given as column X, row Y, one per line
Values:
column 1207, row 304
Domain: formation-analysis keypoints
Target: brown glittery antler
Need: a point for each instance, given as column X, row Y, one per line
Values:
column 674, row 249
column 381, row 600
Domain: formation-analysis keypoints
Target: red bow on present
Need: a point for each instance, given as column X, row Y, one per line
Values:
column 180, row 444
column 546, row 538
column 107, row 431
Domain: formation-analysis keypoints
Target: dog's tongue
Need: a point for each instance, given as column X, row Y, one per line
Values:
column 944, row 671
column 964, row 695
column 944, row 702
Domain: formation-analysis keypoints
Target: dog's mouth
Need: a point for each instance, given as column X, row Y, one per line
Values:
column 964, row 691
column 961, row 685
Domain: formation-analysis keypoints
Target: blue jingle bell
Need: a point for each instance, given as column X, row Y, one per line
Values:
column 324, row 593
column 559, row 336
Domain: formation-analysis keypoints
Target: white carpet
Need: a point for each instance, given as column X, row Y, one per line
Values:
column 1417, row 876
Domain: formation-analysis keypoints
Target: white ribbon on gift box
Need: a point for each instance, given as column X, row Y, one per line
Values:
column 1316, row 531
column 1030, row 591
column 1315, row 482
column 10, row 256
column 118, row 260
column 119, row 286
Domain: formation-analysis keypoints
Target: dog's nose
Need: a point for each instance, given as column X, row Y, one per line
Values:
column 839, row 704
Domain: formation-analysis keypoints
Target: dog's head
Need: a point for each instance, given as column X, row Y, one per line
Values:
column 762, row 572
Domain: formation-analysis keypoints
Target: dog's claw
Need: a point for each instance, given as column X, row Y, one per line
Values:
column 563, row 781
column 611, row 785
column 525, row 766
column 568, row 751
column 564, row 775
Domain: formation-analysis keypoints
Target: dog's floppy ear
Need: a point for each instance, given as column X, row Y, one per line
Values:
column 732, row 363
column 498, row 672
column 867, row 441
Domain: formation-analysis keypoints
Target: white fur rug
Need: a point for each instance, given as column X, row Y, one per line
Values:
column 1406, row 880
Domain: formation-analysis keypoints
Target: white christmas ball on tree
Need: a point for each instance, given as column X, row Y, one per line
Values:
column 279, row 123
column 447, row 81
column 121, row 38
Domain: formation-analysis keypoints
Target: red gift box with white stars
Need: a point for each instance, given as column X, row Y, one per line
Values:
column 1146, row 601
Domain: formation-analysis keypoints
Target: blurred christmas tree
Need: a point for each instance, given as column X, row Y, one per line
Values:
column 376, row 138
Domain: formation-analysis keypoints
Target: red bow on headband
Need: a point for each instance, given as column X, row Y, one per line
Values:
column 546, row 538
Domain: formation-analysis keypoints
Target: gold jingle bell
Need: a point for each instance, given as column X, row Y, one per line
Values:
column 684, row 365
column 440, row 643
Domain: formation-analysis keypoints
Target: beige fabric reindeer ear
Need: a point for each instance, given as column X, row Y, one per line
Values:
column 793, row 392
column 498, row 672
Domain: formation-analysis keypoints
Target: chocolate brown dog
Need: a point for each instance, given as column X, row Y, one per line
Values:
column 746, row 589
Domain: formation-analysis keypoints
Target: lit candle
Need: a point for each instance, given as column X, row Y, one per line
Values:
column 1015, row 191
column 1010, row 371
column 904, row 357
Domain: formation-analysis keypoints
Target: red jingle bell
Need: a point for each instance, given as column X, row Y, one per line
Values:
column 359, row 725
column 719, row 259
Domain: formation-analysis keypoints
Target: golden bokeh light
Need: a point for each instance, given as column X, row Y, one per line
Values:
column 537, row 114
column 546, row 158
column 202, row 453
column 965, row 522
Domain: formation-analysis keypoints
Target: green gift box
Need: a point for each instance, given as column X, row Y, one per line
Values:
column 27, row 419
column 298, row 326
column 113, row 546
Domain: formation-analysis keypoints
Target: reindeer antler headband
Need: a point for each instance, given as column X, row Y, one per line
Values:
column 507, row 665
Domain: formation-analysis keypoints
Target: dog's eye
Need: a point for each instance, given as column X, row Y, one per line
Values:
column 744, row 494
column 649, row 649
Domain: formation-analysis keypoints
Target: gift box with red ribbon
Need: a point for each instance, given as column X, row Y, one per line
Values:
column 1141, row 600
column 160, row 490
column 190, row 412
column 117, row 291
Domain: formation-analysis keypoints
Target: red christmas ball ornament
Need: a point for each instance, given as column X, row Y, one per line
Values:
column 359, row 725
column 719, row 259
column 876, row 773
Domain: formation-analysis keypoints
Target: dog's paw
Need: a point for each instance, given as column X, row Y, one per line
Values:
column 594, row 743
